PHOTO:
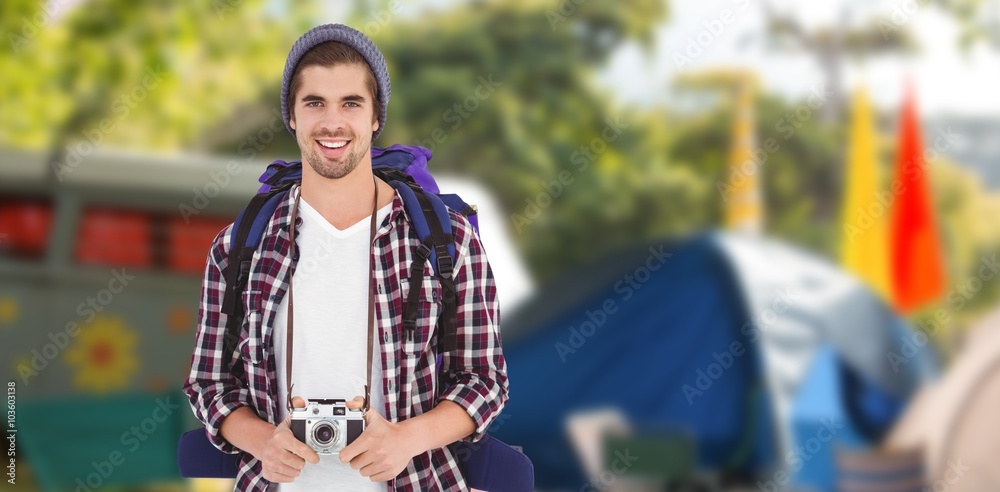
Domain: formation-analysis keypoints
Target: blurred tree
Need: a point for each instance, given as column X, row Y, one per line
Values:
column 796, row 178
column 967, row 215
column 833, row 44
column 740, row 192
column 501, row 91
column 848, row 37
column 979, row 21
column 129, row 74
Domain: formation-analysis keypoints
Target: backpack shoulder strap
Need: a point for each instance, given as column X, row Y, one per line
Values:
column 245, row 236
column 430, row 218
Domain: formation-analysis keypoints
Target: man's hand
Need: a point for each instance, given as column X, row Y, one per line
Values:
column 383, row 450
column 284, row 456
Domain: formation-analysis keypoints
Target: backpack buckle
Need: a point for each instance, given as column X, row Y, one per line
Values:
column 444, row 262
column 409, row 328
column 424, row 251
column 244, row 275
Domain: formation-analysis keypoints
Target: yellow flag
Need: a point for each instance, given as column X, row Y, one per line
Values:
column 743, row 210
column 865, row 218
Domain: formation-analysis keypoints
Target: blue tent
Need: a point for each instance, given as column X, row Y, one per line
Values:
column 662, row 332
column 671, row 335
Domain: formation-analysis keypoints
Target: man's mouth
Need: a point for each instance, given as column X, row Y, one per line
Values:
column 332, row 147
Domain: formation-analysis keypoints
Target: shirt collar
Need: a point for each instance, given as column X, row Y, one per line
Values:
column 282, row 215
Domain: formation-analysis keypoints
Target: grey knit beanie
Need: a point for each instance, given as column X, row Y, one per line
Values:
column 351, row 37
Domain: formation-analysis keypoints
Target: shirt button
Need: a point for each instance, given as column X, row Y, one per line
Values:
column 379, row 288
column 385, row 337
column 390, row 384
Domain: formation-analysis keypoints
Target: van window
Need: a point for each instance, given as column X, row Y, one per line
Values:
column 115, row 237
column 129, row 238
column 25, row 227
column 188, row 242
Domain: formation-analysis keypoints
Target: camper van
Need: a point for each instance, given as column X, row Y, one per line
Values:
column 101, row 259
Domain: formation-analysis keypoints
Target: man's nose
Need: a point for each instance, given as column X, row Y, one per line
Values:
column 332, row 121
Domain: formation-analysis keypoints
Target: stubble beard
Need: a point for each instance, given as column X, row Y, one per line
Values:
column 339, row 167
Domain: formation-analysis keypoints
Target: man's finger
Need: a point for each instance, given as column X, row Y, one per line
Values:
column 356, row 403
column 298, row 402
column 306, row 452
column 285, row 468
column 291, row 460
column 277, row 477
column 374, row 469
column 288, row 441
column 371, row 417
column 355, row 448
column 383, row 476
column 362, row 460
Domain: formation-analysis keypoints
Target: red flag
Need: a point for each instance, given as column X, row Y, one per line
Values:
column 917, row 260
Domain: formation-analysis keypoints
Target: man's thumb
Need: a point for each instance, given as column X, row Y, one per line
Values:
column 298, row 402
column 356, row 403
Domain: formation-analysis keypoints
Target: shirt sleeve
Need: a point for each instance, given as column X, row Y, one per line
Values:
column 476, row 370
column 212, row 390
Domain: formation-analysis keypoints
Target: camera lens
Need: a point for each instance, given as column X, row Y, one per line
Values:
column 324, row 433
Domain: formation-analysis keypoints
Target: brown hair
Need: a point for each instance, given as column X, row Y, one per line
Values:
column 328, row 54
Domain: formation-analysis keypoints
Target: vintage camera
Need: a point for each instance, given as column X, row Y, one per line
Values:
column 327, row 426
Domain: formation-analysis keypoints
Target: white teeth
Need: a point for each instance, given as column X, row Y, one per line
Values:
column 332, row 145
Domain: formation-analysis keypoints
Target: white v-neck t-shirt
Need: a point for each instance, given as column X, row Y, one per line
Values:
column 331, row 283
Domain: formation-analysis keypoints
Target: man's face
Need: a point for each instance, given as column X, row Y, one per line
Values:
column 334, row 118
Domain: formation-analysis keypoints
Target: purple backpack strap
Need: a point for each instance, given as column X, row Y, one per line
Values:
column 410, row 159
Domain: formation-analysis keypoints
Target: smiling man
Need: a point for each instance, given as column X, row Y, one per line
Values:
column 334, row 97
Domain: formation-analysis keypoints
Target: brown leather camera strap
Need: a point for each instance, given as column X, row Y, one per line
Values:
column 371, row 303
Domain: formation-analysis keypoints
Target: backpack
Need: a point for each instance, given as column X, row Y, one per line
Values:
column 401, row 167
column 488, row 464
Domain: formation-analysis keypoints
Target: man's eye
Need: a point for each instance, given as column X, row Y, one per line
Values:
column 312, row 104
column 352, row 104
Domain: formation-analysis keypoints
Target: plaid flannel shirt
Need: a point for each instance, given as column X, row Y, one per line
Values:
column 476, row 372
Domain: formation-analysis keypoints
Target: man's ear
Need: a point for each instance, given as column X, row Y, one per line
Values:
column 291, row 122
column 375, row 125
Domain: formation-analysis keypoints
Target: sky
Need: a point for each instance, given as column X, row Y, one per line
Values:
column 947, row 81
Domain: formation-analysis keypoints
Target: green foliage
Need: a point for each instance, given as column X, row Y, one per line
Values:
column 659, row 175
column 977, row 21
column 800, row 179
column 526, row 131
column 72, row 71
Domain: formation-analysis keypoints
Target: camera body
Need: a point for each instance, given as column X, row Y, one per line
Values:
column 327, row 426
